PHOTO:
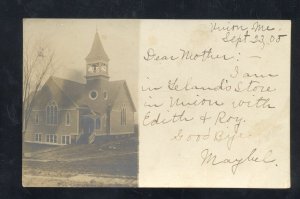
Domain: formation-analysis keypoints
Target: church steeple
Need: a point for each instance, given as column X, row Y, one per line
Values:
column 97, row 51
column 97, row 59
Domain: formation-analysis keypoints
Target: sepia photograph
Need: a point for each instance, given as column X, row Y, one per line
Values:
column 80, row 82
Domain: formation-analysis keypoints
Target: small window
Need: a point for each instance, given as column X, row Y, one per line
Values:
column 123, row 115
column 104, row 118
column 66, row 139
column 48, row 138
column 38, row 137
column 98, row 123
column 68, row 119
column 93, row 95
column 51, row 138
column 105, row 95
column 36, row 119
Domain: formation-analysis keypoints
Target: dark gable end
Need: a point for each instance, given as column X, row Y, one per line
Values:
column 114, row 90
column 52, row 91
column 72, row 89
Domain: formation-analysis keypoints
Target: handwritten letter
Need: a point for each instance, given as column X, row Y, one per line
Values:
column 214, row 103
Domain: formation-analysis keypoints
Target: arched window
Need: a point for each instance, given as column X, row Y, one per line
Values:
column 37, row 118
column 98, row 123
column 48, row 115
column 52, row 113
column 123, row 115
column 55, row 115
column 68, row 119
column 105, row 95
column 104, row 118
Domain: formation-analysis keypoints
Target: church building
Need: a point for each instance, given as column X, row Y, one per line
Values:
column 69, row 112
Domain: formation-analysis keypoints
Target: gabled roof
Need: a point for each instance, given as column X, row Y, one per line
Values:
column 71, row 88
column 114, row 90
column 97, row 51
column 74, row 93
column 47, row 92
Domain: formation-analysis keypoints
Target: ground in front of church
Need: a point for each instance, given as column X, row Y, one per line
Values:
column 111, row 164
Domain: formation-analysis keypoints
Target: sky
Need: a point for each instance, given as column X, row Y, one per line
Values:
column 72, row 40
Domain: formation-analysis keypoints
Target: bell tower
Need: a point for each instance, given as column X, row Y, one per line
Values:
column 97, row 78
column 97, row 61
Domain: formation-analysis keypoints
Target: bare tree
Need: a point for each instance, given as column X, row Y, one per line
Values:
column 38, row 64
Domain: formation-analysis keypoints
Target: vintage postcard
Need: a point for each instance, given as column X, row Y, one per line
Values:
column 156, row 103
column 80, row 103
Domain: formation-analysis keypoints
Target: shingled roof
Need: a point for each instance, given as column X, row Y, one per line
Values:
column 97, row 51
column 50, row 89
column 75, row 91
column 71, row 88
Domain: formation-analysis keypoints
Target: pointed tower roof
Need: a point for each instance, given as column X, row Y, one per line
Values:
column 97, row 50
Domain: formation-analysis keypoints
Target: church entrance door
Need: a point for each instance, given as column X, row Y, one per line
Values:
column 88, row 125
